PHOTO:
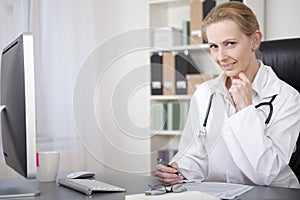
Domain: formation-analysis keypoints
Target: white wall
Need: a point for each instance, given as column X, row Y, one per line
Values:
column 258, row 8
column 96, row 115
column 278, row 19
column 282, row 19
column 87, row 49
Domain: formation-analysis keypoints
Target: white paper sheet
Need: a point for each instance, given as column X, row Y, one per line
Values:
column 188, row 195
column 220, row 190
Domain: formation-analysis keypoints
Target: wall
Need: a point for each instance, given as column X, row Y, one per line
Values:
column 87, row 54
column 86, row 49
column 282, row 19
column 258, row 8
column 277, row 18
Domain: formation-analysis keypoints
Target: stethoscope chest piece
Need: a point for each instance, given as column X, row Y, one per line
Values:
column 202, row 133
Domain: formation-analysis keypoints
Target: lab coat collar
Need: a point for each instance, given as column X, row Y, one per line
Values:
column 220, row 86
column 265, row 83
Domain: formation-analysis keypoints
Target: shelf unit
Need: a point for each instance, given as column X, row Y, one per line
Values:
column 200, row 54
column 171, row 13
column 168, row 13
column 162, row 140
column 170, row 97
column 182, row 101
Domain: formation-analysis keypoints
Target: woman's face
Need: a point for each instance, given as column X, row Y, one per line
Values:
column 231, row 48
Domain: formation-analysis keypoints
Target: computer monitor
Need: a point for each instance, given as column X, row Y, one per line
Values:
column 18, row 118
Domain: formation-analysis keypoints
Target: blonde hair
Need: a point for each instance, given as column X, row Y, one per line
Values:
column 238, row 12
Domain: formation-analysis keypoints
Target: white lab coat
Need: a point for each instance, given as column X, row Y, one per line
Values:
column 246, row 150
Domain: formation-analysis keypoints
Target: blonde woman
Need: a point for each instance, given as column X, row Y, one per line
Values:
column 242, row 126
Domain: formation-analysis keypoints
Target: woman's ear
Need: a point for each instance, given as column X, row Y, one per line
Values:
column 256, row 39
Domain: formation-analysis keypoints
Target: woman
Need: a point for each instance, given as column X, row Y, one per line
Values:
column 238, row 142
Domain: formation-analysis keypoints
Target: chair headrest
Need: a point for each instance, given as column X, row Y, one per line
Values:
column 284, row 57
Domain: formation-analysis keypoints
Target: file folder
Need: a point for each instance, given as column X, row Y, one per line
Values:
column 168, row 73
column 156, row 74
column 196, row 13
column 184, row 65
column 207, row 6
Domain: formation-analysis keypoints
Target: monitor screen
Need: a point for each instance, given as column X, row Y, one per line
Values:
column 18, row 122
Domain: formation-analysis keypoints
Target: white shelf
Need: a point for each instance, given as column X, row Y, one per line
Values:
column 169, row 3
column 166, row 133
column 171, row 13
column 182, row 48
column 170, row 97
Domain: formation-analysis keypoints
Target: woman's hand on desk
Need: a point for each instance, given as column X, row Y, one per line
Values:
column 168, row 175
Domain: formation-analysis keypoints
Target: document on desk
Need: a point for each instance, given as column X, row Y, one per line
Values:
column 187, row 195
column 218, row 189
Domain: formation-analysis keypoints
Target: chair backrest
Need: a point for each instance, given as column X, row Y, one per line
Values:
column 284, row 57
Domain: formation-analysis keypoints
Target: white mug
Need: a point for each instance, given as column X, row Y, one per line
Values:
column 47, row 165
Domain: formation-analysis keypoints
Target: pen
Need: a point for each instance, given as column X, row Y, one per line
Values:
column 164, row 163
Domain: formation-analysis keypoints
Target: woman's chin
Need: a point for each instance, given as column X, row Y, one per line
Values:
column 232, row 74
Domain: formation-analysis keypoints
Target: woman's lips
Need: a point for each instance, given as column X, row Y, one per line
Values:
column 228, row 66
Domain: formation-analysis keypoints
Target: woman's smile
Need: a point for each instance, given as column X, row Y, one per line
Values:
column 229, row 66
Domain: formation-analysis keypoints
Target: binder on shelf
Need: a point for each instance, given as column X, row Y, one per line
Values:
column 184, row 65
column 192, row 69
column 176, row 116
column 158, row 117
column 193, row 81
column 166, row 154
column 184, row 109
column 156, row 74
column 181, row 71
column 185, row 38
column 196, row 21
column 169, row 116
column 207, row 6
column 168, row 73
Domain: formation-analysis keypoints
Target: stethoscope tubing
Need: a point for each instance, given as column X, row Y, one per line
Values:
column 271, row 108
column 269, row 103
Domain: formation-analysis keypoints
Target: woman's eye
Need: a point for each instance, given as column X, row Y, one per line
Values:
column 213, row 46
column 231, row 43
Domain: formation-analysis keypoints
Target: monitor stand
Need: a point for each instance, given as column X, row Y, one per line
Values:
column 18, row 191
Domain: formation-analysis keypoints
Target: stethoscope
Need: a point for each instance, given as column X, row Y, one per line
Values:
column 203, row 132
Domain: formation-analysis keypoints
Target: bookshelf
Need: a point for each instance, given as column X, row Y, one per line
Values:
column 170, row 97
column 168, row 114
column 164, row 140
column 171, row 13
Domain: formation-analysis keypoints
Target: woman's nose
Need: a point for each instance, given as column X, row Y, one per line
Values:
column 222, row 54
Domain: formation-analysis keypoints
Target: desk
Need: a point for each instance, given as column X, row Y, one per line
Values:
column 134, row 184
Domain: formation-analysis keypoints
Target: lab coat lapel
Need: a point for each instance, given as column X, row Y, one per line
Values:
column 217, row 119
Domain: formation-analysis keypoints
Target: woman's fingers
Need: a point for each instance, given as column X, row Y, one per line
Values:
column 167, row 175
column 241, row 91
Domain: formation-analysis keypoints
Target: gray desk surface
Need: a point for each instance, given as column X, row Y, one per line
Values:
column 134, row 184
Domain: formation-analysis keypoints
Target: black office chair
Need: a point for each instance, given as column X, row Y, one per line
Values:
column 284, row 57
